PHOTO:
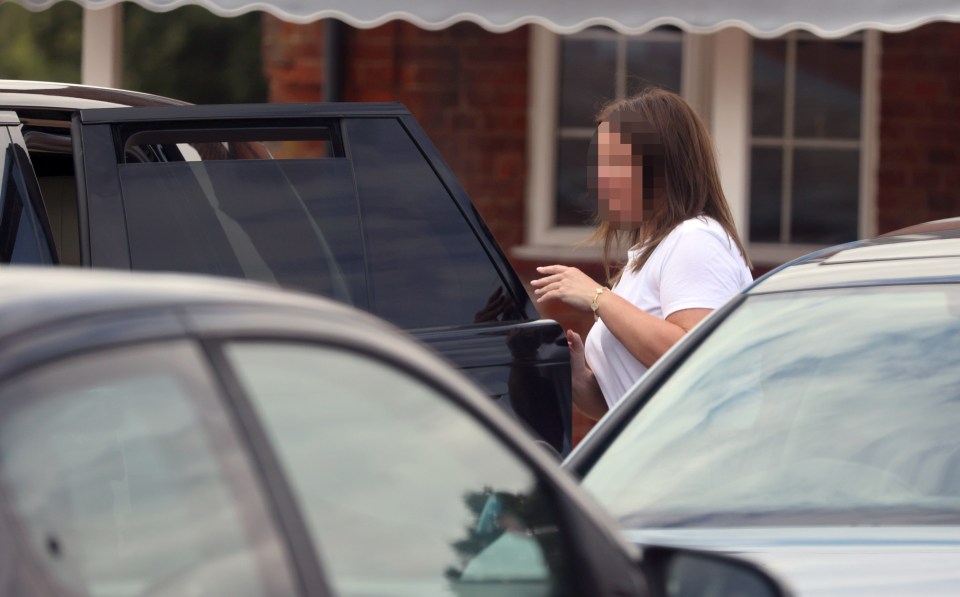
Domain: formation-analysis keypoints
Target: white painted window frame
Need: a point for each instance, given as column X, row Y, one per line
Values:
column 542, row 236
column 716, row 79
column 867, row 144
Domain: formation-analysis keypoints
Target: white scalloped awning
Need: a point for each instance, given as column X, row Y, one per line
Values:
column 762, row 18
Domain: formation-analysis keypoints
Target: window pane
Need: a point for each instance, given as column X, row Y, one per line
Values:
column 769, row 87
column 288, row 222
column 406, row 494
column 654, row 63
column 22, row 239
column 589, row 73
column 588, row 69
column 766, row 176
column 828, row 89
column 575, row 206
column 427, row 266
column 125, row 479
column 58, row 188
column 29, row 248
column 210, row 144
column 826, row 191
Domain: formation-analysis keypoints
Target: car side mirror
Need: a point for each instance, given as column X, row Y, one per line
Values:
column 673, row 572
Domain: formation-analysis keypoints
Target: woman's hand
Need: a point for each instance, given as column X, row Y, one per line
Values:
column 581, row 376
column 566, row 284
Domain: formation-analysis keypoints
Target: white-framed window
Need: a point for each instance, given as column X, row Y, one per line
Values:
column 812, row 143
column 794, row 187
column 572, row 77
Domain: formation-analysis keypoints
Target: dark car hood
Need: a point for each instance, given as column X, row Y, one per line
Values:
column 837, row 561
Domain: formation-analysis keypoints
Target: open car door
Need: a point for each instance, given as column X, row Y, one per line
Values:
column 349, row 201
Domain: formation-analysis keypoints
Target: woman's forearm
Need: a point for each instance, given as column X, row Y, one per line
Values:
column 645, row 336
column 587, row 396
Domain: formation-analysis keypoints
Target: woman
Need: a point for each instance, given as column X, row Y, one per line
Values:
column 658, row 191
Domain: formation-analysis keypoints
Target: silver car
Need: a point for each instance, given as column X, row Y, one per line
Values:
column 174, row 435
column 811, row 425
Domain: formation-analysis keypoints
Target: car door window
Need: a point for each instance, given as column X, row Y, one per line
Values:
column 427, row 266
column 218, row 201
column 23, row 236
column 121, row 476
column 51, row 155
column 405, row 493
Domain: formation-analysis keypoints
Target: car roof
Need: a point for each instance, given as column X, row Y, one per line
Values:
column 70, row 97
column 41, row 307
column 926, row 253
column 35, row 297
column 46, row 312
column 34, row 101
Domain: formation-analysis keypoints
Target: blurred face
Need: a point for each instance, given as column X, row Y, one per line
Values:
column 619, row 177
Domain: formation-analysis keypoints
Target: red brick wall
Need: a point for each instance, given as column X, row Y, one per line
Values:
column 293, row 60
column 919, row 170
column 466, row 86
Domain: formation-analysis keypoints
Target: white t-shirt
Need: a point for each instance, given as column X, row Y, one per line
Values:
column 697, row 266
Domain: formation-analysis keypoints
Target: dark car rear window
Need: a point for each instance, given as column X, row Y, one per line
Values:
column 371, row 225
column 417, row 238
column 290, row 222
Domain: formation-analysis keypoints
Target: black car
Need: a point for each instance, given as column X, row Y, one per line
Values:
column 811, row 425
column 348, row 201
column 180, row 435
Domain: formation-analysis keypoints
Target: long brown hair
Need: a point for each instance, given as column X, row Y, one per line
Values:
column 691, row 185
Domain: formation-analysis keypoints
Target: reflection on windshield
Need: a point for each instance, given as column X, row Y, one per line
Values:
column 504, row 542
column 835, row 406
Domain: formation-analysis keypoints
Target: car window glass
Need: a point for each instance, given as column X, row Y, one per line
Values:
column 50, row 148
column 817, row 407
column 121, row 477
column 406, row 495
column 22, row 238
column 427, row 266
column 214, row 141
column 232, row 209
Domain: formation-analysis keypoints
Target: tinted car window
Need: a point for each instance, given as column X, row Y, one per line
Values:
column 121, row 476
column 829, row 406
column 231, row 209
column 22, row 239
column 427, row 266
column 405, row 494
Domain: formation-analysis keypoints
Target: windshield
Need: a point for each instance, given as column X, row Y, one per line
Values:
column 833, row 406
